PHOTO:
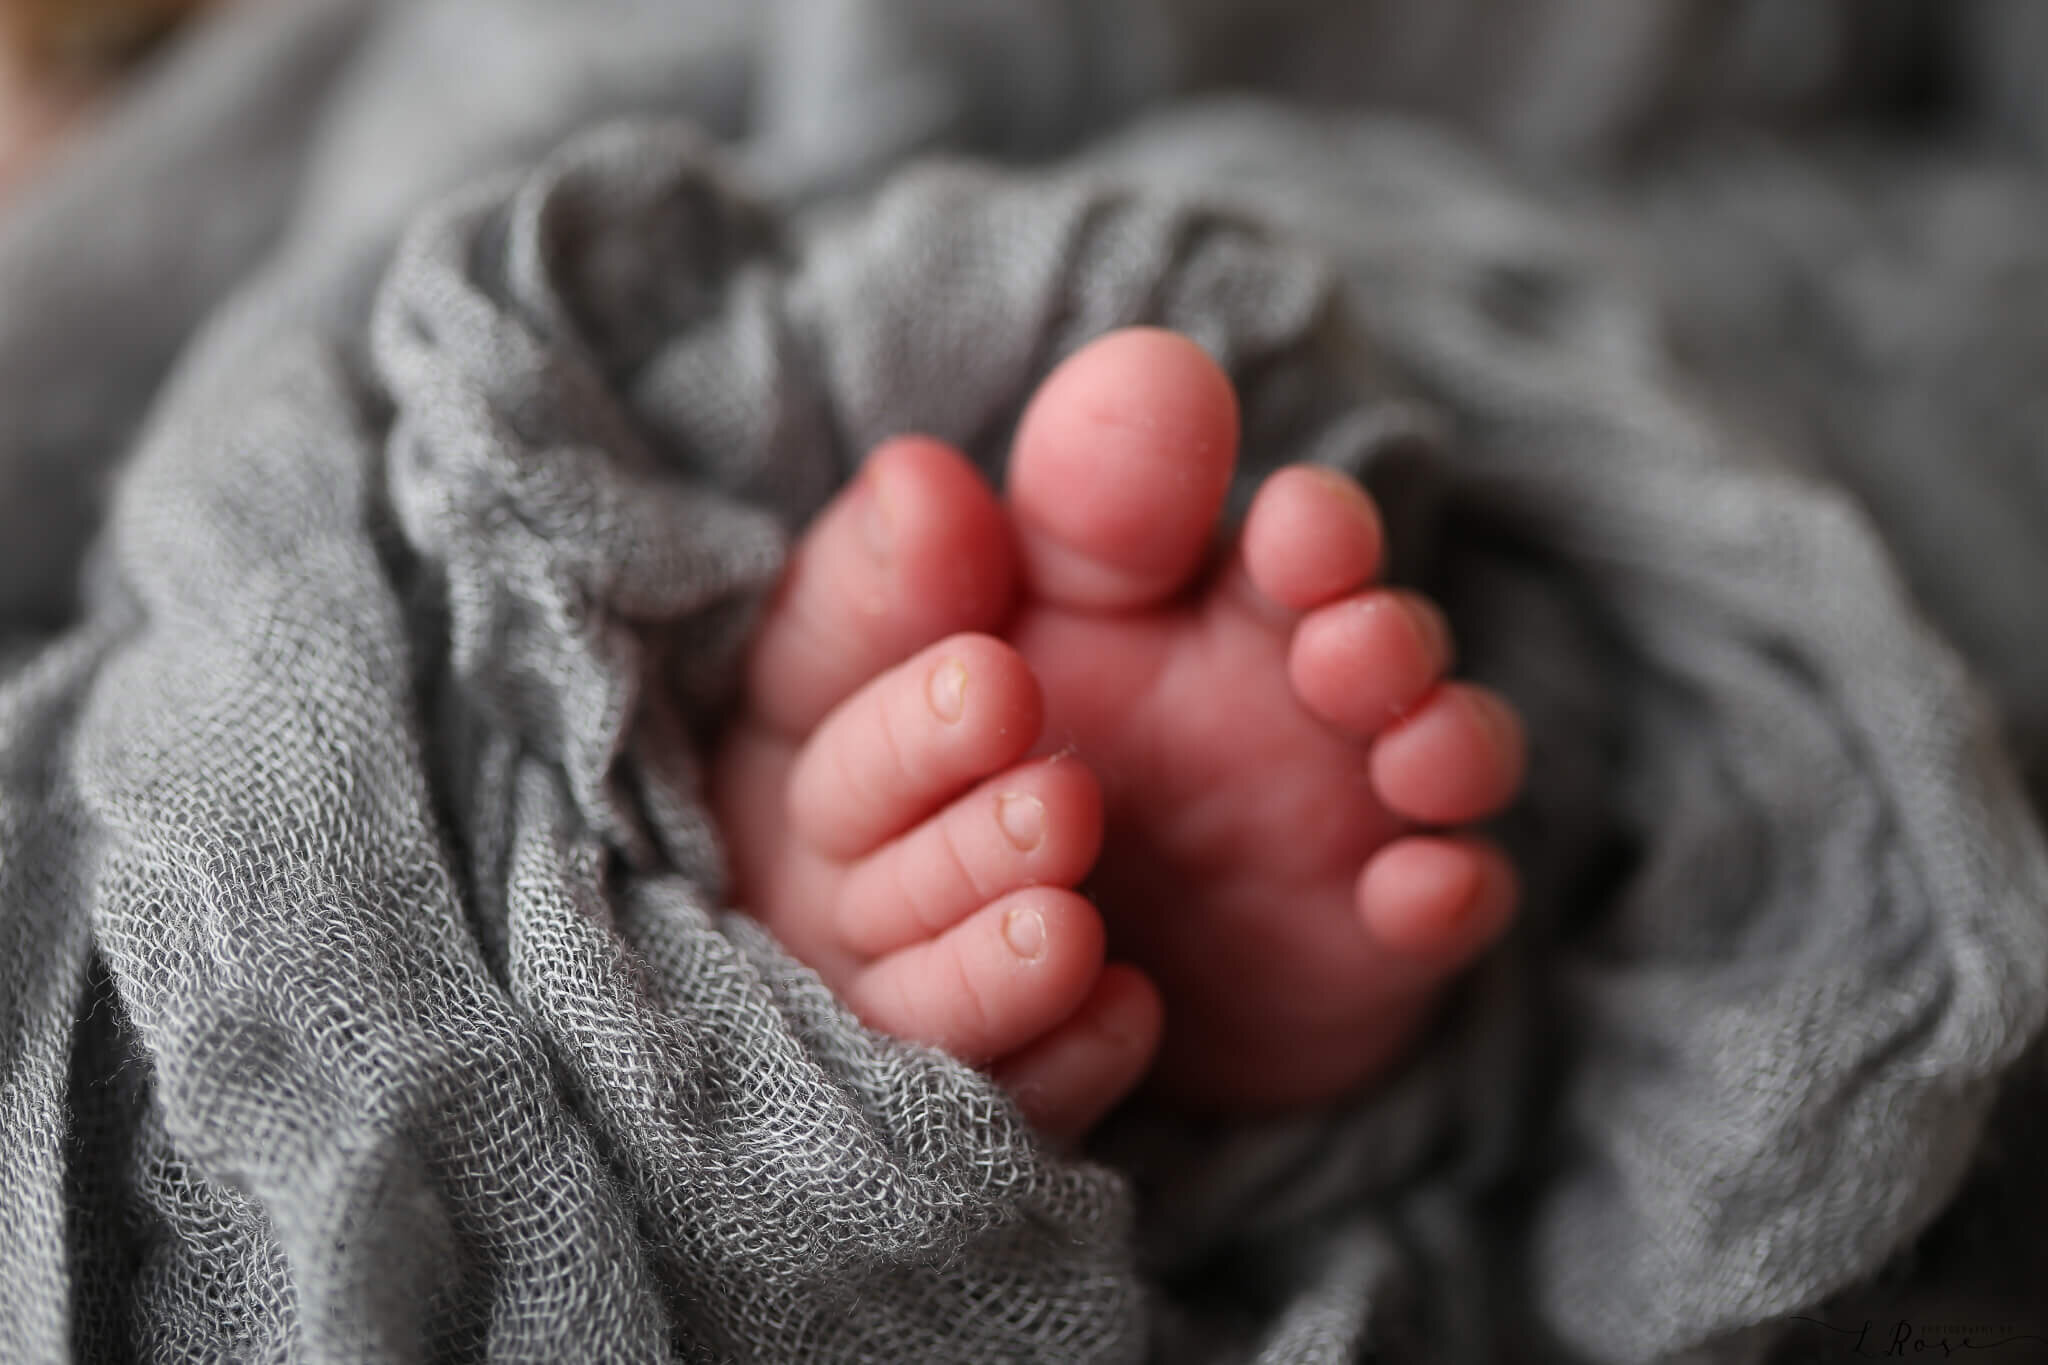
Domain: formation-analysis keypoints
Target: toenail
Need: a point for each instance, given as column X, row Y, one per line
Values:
column 948, row 689
column 1499, row 721
column 1343, row 484
column 1022, row 818
column 1024, row 931
column 876, row 528
column 1432, row 632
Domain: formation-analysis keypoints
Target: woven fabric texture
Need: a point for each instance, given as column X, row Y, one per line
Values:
column 405, row 409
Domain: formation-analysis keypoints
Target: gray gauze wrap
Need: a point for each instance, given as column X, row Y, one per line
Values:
column 368, row 986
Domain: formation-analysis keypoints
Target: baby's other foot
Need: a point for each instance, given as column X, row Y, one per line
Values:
column 884, row 819
column 1283, row 768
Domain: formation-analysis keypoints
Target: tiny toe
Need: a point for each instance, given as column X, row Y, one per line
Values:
column 1458, row 758
column 1437, row 900
column 993, row 983
column 1312, row 535
column 910, row 741
column 1068, row 1080
column 1039, row 824
column 1362, row 663
column 914, row 549
column 1119, row 470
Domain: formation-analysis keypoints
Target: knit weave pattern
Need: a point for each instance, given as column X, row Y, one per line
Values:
column 370, row 988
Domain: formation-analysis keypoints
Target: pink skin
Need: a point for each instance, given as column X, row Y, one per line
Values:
column 1259, row 742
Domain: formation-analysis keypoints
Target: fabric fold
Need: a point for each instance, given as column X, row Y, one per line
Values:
column 370, row 987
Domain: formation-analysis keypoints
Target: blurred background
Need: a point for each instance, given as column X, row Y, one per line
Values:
column 1840, row 207
column 1843, row 201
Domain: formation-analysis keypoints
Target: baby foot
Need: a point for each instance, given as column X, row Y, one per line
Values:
column 1271, row 734
column 884, row 819
column 1268, row 734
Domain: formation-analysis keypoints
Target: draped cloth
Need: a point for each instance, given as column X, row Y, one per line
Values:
column 404, row 411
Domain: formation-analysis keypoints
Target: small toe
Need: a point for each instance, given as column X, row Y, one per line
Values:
column 1363, row 662
column 992, row 984
column 1039, row 824
column 1437, row 901
column 1068, row 1080
column 1458, row 758
column 910, row 741
column 1119, row 471
column 915, row 549
column 1312, row 536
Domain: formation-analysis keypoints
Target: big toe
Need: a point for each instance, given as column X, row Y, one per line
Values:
column 1120, row 468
